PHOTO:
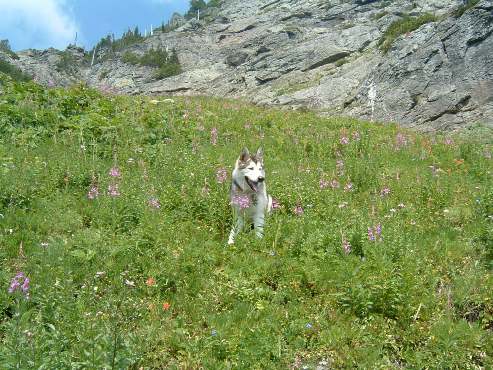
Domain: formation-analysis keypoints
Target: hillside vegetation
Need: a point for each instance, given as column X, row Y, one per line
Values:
column 114, row 218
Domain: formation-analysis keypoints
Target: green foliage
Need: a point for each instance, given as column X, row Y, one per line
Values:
column 402, row 26
column 117, row 282
column 5, row 47
column 67, row 63
column 108, row 46
column 13, row 71
column 167, row 64
column 464, row 7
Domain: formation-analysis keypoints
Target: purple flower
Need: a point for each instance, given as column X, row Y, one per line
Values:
column 348, row 187
column 20, row 283
column 346, row 246
column 93, row 192
column 344, row 140
column 241, row 200
column 275, row 204
column 115, row 172
column 334, row 184
column 214, row 135
column 221, row 175
column 385, row 191
column 375, row 231
column 323, row 184
column 400, row 140
column 154, row 203
column 113, row 190
column 298, row 210
column 448, row 141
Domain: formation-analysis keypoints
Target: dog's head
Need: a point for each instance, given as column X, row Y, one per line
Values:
column 251, row 167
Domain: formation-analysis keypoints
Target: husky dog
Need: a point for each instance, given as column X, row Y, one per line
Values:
column 248, row 197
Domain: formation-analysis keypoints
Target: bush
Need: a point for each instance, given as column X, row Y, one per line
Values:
column 167, row 64
column 13, row 71
column 402, row 26
column 5, row 47
column 130, row 58
column 67, row 63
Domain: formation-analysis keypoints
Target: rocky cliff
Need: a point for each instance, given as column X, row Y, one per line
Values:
column 320, row 54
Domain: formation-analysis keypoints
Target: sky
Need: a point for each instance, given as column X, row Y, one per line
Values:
column 40, row 24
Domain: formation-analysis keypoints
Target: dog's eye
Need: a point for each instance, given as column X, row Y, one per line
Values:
column 250, row 168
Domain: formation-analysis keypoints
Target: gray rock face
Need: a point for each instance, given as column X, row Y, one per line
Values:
column 318, row 54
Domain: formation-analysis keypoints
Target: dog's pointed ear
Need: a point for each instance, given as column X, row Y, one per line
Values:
column 244, row 155
column 260, row 154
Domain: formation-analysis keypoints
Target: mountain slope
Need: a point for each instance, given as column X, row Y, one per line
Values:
column 325, row 55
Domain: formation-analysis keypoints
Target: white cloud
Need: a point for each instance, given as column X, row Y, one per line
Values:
column 37, row 23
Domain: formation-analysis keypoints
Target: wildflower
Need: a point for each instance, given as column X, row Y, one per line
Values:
column 93, row 192
column 214, row 136
column 115, row 172
column 275, row 204
column 20, row 283
column 348, row 187
column 334, row 184
column 374, row 232
column 129, row 283
column 308, row 325
column 150, row 281
column 400, row 140
column 401, row 205
column 356, row 136
column 385, row 191
column 166, row 306
column 323, row 183
column 247, row 125
column 346, row 246
column 340, row 167
column 241, row 200
column 344, row 140
column 448, row 141
column 100, row 273
column 221, row 175
column 113, row 190
column 154, row 203
column 298, row 210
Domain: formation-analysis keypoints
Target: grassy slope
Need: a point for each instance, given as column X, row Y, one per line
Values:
column 419, row 297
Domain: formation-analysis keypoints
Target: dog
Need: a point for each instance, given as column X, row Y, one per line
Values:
column 248, row 197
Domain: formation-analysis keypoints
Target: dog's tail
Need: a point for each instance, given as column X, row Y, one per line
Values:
column 269, row 204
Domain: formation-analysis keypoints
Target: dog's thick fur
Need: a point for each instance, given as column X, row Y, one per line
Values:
column 249, row 181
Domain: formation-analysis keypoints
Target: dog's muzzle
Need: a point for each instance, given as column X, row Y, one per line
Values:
column 253, row 184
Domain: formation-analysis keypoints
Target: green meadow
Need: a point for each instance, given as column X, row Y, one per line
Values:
column 114, row 219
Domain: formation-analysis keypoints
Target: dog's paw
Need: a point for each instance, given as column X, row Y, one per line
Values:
column 231, row 242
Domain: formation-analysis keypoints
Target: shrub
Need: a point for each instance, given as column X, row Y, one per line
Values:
column 167, row 64
column 5, row 47
column 130, row 58
column 402, row 26
column 463, row 8
column 13, row 71
column 67, row 63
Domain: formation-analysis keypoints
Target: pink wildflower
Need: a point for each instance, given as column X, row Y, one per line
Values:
column 241, row 200
column 334, row 184
column 214, row 135
column 93, row 192
column 323, row 184
column 400, row 140
column 221, row 175
column 356, row 136
column 448, row 141
column 154, row 203
column 385, row 191
column 348, row 187
column 20, row 283
column 344, row 140
column 298, row 210
column 275, row 204
column 346, row 246
column 115, row 172
column 113, row 190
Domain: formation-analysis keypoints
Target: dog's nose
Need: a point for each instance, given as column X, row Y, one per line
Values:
column 260, row 179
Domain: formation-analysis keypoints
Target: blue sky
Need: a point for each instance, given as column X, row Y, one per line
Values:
column 40, row 24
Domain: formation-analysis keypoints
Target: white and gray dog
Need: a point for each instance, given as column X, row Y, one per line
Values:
column 248, row 197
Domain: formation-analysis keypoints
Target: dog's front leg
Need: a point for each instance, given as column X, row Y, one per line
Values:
column 258, row 224
column 236, row 228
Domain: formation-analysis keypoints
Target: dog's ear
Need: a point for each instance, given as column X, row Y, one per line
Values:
column 260, row 154
column 244, row 155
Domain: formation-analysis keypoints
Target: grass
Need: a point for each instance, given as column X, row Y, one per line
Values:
column 116, row 282
column 401, row 27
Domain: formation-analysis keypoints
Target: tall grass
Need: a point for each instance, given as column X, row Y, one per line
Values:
column 116, row 210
